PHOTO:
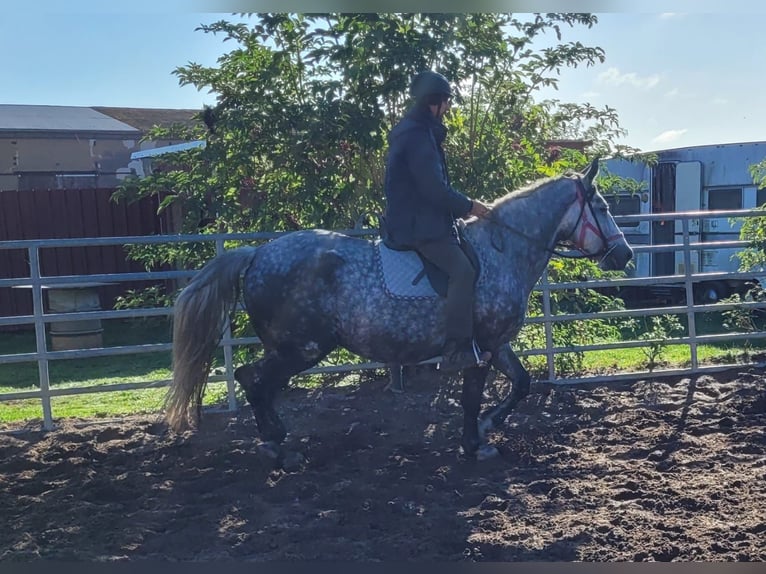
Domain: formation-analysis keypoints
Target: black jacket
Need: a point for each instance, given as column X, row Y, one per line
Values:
column 421, row 205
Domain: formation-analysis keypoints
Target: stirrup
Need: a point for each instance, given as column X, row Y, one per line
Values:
column 480, row 359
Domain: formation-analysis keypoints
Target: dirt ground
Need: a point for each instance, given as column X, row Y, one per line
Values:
column 653, row 470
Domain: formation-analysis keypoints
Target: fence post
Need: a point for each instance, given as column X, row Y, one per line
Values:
column 42, row 349
column 690, row 315
column 548, row 324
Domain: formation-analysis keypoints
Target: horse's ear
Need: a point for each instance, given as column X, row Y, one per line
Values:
column 590, row 174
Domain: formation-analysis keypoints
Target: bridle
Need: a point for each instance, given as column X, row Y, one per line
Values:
column 586, row 221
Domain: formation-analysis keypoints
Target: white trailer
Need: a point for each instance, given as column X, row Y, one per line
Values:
column 700, row 178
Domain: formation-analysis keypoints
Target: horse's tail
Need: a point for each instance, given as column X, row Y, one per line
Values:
column 200, row 314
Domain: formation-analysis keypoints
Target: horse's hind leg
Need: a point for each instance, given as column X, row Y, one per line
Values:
column 261, row 391
column 262, row 382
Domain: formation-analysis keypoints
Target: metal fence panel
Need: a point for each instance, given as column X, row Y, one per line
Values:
column 39, row 317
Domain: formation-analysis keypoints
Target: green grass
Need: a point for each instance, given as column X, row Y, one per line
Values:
column 86, row 372
column 635, row 360
column 672, row 356
column 100, row 405
column 96, row 371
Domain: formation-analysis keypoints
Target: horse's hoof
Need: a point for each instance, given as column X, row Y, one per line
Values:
column 293, row 462
column 485, row 452
column 270, row 449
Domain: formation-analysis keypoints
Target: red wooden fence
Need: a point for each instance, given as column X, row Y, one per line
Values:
column 62, row 213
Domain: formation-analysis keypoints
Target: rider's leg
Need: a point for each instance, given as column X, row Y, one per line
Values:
column 448, row 256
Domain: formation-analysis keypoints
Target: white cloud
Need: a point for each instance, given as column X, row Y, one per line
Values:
column 669, row 136
column 613, row 77
column 720, row 101
column 670, row 15
column 672, row 93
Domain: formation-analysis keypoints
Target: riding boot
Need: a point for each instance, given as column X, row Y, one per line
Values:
column 458, row 355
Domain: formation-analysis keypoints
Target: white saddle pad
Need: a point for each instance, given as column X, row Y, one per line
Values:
column 399, row 269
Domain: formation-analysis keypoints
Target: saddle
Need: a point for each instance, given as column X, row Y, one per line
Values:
column 404, row 269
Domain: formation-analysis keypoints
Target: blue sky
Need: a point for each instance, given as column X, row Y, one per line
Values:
column 675, row 79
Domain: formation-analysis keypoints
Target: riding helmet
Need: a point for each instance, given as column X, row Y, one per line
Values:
column 428, row 83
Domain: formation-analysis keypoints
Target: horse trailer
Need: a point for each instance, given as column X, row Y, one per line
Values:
column 700, row 178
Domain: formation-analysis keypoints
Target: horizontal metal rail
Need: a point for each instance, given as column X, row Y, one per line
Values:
column 40, row 318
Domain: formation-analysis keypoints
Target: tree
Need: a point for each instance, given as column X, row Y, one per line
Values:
column 304, row 103
column 297, row 137
column 754, row 229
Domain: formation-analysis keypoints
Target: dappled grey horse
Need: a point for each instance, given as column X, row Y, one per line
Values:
column 308, row 292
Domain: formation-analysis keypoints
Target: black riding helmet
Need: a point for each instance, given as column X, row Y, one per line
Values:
column 427, row 84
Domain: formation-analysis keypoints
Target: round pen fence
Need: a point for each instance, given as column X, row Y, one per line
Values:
column 72, row 318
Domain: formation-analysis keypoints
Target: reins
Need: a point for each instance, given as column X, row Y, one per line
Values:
column 507, row 227
column 585, row 196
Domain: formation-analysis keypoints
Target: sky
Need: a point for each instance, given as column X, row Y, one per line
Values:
column 676, row 79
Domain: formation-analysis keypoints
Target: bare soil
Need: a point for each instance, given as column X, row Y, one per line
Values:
column 653, row 470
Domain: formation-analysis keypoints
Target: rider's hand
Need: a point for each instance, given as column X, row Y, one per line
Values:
column 478, row 208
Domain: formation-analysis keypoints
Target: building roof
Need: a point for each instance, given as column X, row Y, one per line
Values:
column 146, row 118
column 18, row 118
column 710, row 146
column 24, row 118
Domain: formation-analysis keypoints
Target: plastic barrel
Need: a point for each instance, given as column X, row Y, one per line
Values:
column 75, row 334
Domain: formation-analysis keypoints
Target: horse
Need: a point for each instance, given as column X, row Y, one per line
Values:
column 308, row 292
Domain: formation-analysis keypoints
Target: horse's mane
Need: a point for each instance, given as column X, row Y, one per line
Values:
column 529, row 189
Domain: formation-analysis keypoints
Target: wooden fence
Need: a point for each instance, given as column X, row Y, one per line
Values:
column 71, row 213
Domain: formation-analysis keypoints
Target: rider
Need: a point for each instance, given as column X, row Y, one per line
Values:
column 422, row 208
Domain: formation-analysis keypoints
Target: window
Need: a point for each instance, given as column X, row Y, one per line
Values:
column 760, row 197
column 625, row 205
column 724, row 199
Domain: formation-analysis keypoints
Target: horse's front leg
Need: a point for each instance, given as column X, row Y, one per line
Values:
column 473, row 443
column 509, row 364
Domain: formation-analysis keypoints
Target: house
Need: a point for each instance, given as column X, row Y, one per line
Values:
column 60, row 147
column 59, row 166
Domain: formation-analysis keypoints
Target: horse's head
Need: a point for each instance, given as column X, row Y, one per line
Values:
column 593, row 229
